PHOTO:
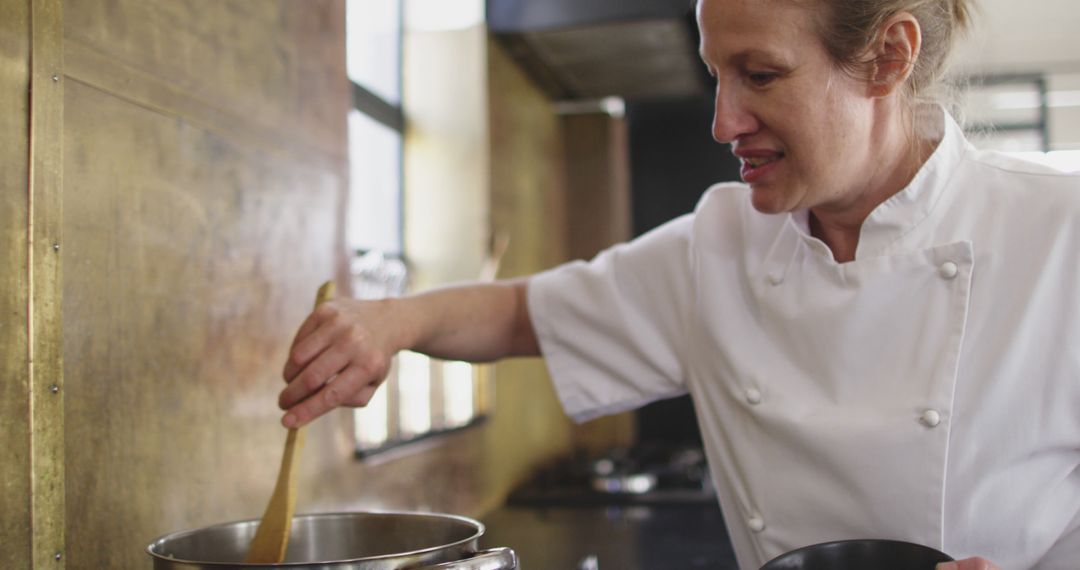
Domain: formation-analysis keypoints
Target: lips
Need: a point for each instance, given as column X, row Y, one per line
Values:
column 758, row 163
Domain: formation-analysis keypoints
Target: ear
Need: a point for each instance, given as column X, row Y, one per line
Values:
column 894, row 52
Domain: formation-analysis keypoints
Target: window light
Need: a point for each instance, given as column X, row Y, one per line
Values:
column 458, row 397
column 372, row 421
column 414, row 388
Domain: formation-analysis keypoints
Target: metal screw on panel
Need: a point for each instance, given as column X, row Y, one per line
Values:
column 56, row 247
column 56, row 77
column 54, row 389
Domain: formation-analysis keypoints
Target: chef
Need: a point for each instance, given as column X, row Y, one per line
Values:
column 879, row 328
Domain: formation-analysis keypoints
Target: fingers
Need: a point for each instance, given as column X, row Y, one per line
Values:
column 311, row 339
column 311, row 379
column 336, row 359
column 976, row 563
column 354, row 387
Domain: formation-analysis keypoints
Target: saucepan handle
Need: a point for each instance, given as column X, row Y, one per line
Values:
column 491, row 559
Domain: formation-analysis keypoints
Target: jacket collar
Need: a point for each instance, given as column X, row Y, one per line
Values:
column 904, row 211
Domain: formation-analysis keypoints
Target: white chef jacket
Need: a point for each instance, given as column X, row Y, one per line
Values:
column 927, row 391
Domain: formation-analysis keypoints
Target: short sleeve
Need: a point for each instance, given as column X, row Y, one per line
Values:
column 613, row 331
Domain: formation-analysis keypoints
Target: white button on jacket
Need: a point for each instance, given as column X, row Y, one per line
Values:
column 756, row 524
column 949, row 270
column 927, row 391
column 753, row 396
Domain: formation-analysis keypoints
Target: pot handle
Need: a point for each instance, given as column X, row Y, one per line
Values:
column 491, row 559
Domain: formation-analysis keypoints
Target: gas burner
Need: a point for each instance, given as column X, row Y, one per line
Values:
column 642, row 474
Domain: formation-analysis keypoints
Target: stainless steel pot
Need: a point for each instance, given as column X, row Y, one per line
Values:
column 353, row 541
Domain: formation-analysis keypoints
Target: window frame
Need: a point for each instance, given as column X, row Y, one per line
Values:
column 1040, row 125
column 392, row 116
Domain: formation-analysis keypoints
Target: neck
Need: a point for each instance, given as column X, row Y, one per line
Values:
column 893, row 162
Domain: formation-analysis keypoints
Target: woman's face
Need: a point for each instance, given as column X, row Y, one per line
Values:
column 801, row 127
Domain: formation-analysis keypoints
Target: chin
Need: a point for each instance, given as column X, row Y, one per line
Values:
column 767, row 202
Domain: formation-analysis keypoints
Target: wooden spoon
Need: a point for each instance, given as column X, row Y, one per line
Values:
column 272, row 538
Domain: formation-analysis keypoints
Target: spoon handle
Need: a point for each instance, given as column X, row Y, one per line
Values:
column 272, row 538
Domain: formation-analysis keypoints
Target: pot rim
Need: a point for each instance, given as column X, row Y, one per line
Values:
column 477, row 525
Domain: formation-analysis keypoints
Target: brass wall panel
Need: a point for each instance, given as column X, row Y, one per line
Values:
column 45, row 234
column 221, row 53
column 198, row 221
column 85, row 64
column 190, row 260
column 204, row 172
column 14, row 368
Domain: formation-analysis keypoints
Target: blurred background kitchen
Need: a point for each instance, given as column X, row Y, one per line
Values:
column 180, row 176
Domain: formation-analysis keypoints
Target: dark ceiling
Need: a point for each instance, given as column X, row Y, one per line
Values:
column 591, row 49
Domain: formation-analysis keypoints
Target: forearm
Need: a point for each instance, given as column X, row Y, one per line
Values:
column 478, row 322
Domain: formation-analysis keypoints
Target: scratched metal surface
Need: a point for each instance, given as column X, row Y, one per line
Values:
column 204, row 172
column 14, row 372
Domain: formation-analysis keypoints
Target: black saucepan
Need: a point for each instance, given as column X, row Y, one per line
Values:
column 859, row 555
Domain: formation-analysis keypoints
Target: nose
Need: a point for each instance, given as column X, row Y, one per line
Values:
column 732, row 118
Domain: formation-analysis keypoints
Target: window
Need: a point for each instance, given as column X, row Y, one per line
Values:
column 376, row 125
column 1035, row 116
column 1008, row 112
column 421, row 396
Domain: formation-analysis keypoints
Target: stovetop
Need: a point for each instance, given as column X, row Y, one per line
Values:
column 646, row 473
column 627, row 537
column 644, row 507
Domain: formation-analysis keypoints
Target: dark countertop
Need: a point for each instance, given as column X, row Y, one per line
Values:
column 618, row 537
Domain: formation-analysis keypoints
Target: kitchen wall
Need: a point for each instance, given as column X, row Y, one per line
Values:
column 189, row 163
column 15, row 467
column 542, row 185
column 204, row 172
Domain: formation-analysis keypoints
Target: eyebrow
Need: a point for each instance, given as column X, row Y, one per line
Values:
column 742, row 57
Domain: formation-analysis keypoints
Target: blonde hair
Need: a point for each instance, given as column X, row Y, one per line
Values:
column 849, row 27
